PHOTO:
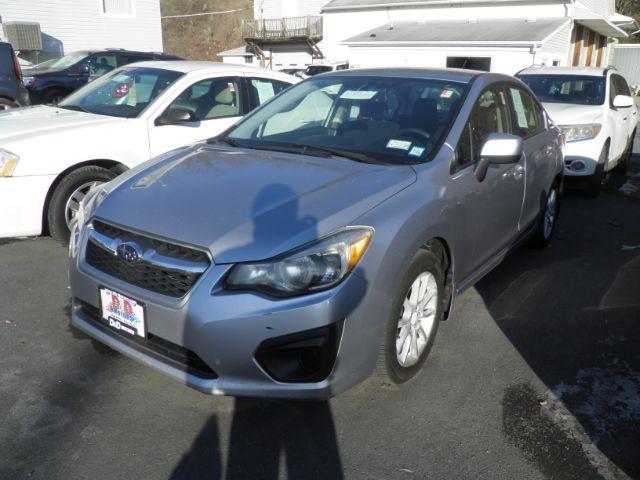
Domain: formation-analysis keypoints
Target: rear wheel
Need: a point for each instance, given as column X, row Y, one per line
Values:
column 6, row 104
column 416, row 313
column 53, row 96
column 67, row 196
column 548, row 220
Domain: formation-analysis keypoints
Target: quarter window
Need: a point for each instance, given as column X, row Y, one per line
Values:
column 210, row 99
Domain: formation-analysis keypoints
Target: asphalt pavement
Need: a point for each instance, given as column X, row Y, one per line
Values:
column 535, row 376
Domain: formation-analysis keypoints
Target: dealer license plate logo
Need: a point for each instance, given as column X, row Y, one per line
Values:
column 122, row 313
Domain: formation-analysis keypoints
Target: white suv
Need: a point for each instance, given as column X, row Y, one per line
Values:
column 597, row 114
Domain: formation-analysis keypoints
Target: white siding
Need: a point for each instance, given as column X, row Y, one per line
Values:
column 503, row 60
column 603, row 7
column 556, row 48
column 70, row 25
column 286, row 8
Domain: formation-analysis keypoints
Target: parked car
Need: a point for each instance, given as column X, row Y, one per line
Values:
column 325, row 234
column 12, row 91
column 51, row 156
column 596, row 113
column 51, row 82
column 318, row 68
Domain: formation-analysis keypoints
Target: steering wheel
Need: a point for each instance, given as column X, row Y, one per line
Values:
column 415, row 133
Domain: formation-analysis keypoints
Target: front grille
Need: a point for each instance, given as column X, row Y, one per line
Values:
column 159, row 348
column 159, row 271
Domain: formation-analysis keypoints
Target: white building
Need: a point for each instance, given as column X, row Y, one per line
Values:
column 71, row 25
column 499, row 35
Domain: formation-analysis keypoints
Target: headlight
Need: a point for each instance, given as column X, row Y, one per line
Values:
column 311, row 268
column 8, row 163
column 575, row 133
column 28, row 81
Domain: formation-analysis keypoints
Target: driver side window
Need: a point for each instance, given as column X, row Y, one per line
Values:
column 489, row 115
column 211, row 98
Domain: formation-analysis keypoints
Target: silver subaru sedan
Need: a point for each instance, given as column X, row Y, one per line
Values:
column 321, row 239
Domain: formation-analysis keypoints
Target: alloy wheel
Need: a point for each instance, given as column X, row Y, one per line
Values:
column 550, row 212
column 73, row 203
column 417, row 318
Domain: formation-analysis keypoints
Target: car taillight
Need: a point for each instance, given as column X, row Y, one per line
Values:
column 16, row 66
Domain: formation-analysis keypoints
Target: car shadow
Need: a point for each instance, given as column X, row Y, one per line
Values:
column 268, row 439
column 573, row 314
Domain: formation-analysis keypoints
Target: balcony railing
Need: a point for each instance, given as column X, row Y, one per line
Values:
column 283, row 29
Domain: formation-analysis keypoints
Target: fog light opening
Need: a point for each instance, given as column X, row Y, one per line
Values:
column 305, row 357
column 577, row 166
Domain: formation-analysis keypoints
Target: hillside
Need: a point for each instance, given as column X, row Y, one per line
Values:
column 202, row 37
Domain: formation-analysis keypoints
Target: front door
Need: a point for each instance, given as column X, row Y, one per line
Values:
column 492, row 205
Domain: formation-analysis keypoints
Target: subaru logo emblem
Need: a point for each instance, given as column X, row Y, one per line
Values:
column 129, row 252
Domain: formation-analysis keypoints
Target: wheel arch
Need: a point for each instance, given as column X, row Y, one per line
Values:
column 114, row 166
column 440, row 247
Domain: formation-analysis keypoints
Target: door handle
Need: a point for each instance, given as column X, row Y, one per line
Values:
column 625, row 118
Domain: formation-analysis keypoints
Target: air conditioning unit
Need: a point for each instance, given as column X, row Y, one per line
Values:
column 23, row 36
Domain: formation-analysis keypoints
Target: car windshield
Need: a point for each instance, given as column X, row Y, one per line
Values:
column 388, row 120
column 67, row 60
column 122, row 93
column 580, row 90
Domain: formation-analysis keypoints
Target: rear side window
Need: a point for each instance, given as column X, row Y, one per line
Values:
column 262, row 89
column 528, row 119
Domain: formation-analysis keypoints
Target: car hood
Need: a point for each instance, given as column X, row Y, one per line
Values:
column 29, row 122
column 30, row 72
column 571, row 114
column 246, row 205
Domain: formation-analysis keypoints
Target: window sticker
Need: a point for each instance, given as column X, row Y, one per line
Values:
column 417, row 152
column 519, row 107
column 399, row 144
column 446, row 93
column 358, row 95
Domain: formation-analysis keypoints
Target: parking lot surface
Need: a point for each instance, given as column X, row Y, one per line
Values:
column 535, row 376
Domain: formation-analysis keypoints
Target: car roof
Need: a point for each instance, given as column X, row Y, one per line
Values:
column 582, row 71
column 446, row 74
column 189, row 66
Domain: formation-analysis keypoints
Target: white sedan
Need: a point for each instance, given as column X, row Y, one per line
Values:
column 51, row 156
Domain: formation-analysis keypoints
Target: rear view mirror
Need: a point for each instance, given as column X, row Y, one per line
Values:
column 623, row 101
column 175, row 116
column 498, row 149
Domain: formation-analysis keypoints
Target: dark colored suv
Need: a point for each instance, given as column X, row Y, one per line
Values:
column 12, row 91
column 64, row 75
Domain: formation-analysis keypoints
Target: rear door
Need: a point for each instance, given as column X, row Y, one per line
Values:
column 529, row 123
column 215, row 102
column 493, row 205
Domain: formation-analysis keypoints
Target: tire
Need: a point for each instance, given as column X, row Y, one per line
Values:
column 53, row 96
column 625, row 163
column 548, row 220
column 79, row 179
column 6, row 104
column 595, row 181
column 390, row 370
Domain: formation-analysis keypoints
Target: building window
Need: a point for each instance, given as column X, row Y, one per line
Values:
column 117, row 7
column 248, row 59
column 470, row 63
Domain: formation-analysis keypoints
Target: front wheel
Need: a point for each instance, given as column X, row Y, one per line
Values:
column 67, row 196
column 6, row 104
column 595, row 181
column 416, row 313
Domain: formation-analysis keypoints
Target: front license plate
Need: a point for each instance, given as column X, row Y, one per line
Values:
column 122, row 313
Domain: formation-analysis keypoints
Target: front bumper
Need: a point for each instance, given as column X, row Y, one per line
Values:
column 22, row 201
column 581, row 157
column 226, row 330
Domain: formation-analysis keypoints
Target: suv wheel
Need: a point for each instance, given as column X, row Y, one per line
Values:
column 416, row 313
column 6, row 104
column 67, row 196
column 595, row 181
column 625, row 163
column 53, row 97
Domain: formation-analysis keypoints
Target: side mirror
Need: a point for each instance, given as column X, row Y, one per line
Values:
column 83, row 69
column 175, row 116
column 498, row 149
column 623, row 101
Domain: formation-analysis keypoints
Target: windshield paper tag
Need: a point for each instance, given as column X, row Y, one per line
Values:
column 399, row 144
column 416, row 151
column 446, row 93
column 358, row 95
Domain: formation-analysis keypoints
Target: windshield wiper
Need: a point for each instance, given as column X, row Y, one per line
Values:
column 227, row 140
column 325, row 152
column 76, row 108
